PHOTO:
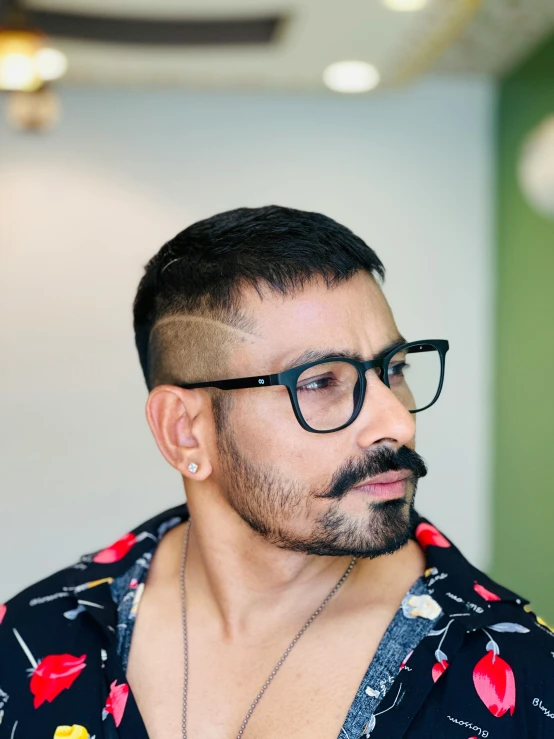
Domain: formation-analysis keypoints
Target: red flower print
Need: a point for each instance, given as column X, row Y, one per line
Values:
column 116, row 551
column 439, row 668
column 54, row 674
column 484, row 593
column 3, row 610
column 495, row 684
column 428, row 535
column 115, row 703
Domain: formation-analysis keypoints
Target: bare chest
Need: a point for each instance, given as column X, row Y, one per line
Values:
column 309, row 696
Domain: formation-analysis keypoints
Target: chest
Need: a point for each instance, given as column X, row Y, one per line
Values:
column 309, row 696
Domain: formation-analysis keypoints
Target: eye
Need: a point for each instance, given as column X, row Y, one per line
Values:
column 318, row 383
column 397, row 369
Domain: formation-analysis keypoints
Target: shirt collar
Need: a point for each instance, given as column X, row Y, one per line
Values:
column 463, row 592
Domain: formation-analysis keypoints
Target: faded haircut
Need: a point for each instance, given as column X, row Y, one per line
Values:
column 187, row 311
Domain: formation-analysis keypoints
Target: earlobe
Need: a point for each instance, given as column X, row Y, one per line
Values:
column 200, row 471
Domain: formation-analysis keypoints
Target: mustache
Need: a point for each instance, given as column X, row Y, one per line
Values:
column 384, row 459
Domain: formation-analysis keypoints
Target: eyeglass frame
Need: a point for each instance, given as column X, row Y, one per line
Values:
column 289, row 378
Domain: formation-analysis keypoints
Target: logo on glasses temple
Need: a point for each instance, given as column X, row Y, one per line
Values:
column 261, row 382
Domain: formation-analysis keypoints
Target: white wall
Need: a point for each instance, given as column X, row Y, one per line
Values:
column 85, row 206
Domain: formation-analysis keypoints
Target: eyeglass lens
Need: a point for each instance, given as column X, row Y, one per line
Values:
column 328, row 393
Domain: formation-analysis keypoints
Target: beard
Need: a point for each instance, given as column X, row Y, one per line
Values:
column 287, row 515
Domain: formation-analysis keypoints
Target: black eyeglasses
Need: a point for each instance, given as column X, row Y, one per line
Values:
column 328, row 394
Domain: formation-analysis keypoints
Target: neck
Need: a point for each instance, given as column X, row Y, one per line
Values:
column 247, row 588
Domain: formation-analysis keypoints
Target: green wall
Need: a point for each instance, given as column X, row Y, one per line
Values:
column 523, row 511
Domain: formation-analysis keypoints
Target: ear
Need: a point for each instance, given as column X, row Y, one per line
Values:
column 179, row 420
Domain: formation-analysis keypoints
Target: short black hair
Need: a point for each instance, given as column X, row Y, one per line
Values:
column 203, row 269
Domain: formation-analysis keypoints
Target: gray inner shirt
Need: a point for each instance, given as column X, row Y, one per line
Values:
column 403, row 634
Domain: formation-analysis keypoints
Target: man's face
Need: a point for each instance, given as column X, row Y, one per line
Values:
column 292, row 486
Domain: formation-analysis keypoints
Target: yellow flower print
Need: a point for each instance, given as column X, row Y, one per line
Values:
column 136, row 599
column 540, row 620
column 421, row 605
column 543, row 623
column 71, row 732
column 92, row 584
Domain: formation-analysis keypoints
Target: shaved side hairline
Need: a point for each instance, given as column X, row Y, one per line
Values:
column 212, row 334
column 233, row 326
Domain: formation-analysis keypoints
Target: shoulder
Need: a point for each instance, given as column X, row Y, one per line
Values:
column 54, row 604
column 507, row 618
column 488, row 641
column 61, row 625
column 42, row 637
column 46, row 619
column 52, row 594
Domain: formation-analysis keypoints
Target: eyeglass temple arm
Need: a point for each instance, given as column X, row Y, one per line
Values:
column 243, row 382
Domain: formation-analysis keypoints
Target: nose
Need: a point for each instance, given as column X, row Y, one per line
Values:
column 383, row 417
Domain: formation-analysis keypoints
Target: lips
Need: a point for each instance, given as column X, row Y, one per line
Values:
column 386, row 478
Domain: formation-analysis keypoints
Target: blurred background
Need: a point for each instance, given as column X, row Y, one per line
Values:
column 427, row 127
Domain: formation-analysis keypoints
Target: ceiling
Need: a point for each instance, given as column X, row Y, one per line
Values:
column 448, row 36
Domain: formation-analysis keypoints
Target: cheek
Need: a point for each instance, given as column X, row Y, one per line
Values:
column 268, row 427
column 267, row 430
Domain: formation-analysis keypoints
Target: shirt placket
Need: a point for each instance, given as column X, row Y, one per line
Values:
column 413, row 683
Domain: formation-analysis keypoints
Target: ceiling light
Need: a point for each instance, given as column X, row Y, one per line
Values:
column 351, row 76
column 25, row 61
column 405, row 6
column 17, row 59
column 50, row 64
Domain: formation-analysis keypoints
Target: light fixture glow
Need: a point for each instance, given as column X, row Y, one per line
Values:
column 50, row 64
column 406, row 6
column 351, row 76
column 17, row 54
column 25, row 63
column 17, row 72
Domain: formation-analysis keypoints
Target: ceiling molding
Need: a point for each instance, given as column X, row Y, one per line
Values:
column 501, row 36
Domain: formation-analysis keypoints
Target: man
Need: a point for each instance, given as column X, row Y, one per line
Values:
column 297, row 593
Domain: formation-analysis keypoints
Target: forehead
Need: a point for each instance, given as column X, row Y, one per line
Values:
column 352, row 315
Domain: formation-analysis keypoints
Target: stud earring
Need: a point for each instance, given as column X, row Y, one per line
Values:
column 193, row 467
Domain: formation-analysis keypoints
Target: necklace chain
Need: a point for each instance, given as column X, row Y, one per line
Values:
column 277, row 666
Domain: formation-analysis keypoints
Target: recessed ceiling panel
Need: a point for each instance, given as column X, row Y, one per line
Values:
column 222, row 31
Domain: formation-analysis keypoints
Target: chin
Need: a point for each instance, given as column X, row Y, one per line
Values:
column 391, row 526
column 384, row 528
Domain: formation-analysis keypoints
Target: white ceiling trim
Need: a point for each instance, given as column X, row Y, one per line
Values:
column 445, row 23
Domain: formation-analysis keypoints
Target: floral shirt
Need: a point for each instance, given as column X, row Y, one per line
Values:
column 481, row 666
column 414, row 619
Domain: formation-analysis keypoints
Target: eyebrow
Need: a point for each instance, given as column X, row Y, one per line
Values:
column 313, row 355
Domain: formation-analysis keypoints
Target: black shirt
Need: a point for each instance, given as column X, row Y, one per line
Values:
column 485, row 669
